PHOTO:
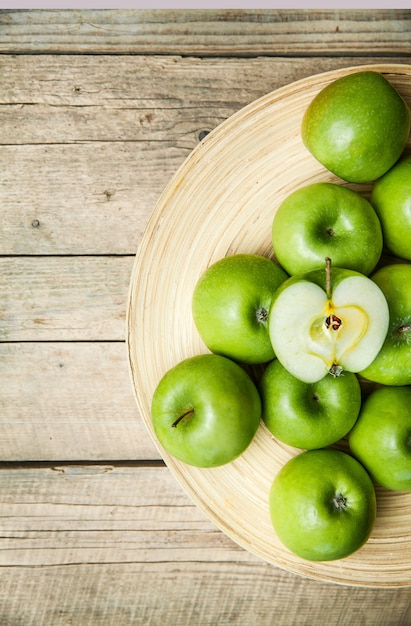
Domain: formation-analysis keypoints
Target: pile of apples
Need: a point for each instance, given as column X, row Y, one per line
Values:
column 326, row 314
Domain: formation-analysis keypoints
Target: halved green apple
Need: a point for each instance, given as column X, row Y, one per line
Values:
column 327, row 321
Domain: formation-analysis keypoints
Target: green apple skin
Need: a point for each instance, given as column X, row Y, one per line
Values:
column 391, row 198
column 392, row 365
column 231, row 303
column 381, row 437
column 326, row 220
column 308, row 415
column 357, row 126
column 206, row 410
column 322, row 505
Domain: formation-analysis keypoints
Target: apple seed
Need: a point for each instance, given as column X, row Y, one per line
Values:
column 333, row 321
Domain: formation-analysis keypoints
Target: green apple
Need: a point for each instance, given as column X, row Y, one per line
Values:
column 392, row 365
column 357, row 126
column 206, row 410
column 326, row 220
column 308, row 415
column 231, row 303
column 327, row 321
column 381, row 438
column 322, row 505
column 391, row 198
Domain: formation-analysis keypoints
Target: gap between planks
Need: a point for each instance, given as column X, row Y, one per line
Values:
column 56, row 464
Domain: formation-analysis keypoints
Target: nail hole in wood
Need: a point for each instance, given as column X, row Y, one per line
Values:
column 203, row 134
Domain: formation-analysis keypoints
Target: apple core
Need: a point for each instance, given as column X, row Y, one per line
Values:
column 317, row 329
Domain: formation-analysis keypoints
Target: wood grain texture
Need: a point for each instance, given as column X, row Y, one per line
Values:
column 89, row 143
column 101, row 545
column 69, row 401
column 81, row 198
column 76, row 298
column 98, row 109
column 204, row 593
column 208, row 32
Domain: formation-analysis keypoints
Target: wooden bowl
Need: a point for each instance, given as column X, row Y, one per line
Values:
column 221, row 202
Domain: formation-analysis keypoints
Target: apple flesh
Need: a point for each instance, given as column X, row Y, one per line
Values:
column 392, row 365
column 322, row 505
column 357, row 126
column 321, row 324
column 231, row 304
column 326, row 220
column 206, row 410
column 308, row 415
column 381, row 438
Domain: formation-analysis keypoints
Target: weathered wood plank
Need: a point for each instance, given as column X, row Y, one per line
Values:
column 88, row 143
column 64, row 298
column 106, row 545
column 207, row 32
column 56, row 99
column 188, row 594
column 134, row 513
column 108, row 134
column 81, row 198
column 69, row 401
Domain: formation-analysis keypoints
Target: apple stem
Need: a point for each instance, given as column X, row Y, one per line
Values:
column 180, row 417
column 404, row 329
column 328, row 277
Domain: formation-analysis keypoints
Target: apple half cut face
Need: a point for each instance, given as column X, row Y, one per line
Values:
column 323, row 322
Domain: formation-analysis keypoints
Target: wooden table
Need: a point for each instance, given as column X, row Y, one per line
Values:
column 98, row 110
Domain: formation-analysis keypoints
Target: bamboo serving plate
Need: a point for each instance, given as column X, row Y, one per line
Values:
column 221, row 202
